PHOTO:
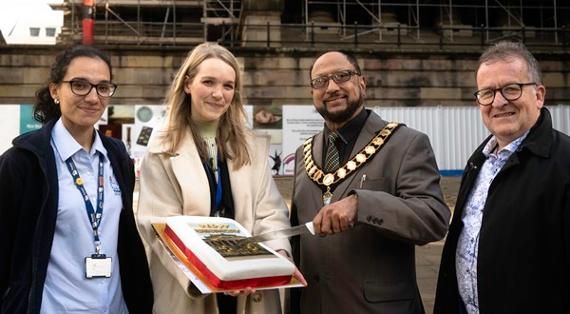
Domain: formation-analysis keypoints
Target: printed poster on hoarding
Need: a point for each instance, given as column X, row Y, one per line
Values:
column 299, row 123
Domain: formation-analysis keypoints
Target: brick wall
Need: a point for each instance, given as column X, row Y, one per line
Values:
column 280, row 76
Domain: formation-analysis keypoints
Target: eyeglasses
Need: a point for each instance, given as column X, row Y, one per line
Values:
column 510, row 92
column 337, row 77
column 83, row 87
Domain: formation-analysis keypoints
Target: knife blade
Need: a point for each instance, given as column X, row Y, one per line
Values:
column 280, row 234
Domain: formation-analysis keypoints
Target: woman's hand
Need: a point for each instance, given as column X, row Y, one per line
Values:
column 297, row 274
column 234, row 293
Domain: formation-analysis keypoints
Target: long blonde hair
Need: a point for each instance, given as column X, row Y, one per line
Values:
column 231, row 133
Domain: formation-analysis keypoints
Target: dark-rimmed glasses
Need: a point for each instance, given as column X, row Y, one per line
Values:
column 83, row 87
column 510, row 92
column 338, row 77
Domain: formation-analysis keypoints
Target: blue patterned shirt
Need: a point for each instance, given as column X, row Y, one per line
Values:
column 468, row 243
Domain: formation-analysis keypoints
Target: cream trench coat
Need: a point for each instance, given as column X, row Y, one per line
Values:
column 177, row 185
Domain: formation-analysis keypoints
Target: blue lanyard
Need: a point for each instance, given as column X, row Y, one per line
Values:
column 93, row 215
column 218, row 198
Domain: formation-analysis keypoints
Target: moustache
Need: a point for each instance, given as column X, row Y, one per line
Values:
column 334, row 97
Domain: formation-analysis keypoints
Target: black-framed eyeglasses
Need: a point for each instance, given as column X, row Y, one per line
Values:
column 510, row 92
column 338, row 77
column 83, row 87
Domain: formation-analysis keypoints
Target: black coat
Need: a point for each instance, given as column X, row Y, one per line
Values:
column 523, row 264
column 28, row 212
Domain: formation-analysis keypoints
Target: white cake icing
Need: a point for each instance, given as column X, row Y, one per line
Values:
column 232, row 268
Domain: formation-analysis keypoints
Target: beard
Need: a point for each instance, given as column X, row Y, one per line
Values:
column 342, row 116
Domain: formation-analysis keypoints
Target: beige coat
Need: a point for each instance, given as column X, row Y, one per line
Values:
column 177, row 185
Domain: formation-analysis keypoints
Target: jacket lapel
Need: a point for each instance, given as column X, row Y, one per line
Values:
column 317, row 152
column 241, row 181
column 318, row 146
column 372, row 125
column 470, row 174
column 192, row 180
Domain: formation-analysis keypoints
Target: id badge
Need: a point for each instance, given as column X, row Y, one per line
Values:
column 98, row 266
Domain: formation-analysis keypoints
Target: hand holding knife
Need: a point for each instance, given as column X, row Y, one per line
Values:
column 280, row 234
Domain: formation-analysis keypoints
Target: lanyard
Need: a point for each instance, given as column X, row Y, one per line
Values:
column 213, row 167
column 94, row 215
column 218, row 189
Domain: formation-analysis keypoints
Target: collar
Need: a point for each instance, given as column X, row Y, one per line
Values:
column 350, row 131
column 510, row 148
column 540, row 139
column 67, row 146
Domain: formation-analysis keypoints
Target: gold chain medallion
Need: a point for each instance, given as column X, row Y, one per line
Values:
column 327, row 179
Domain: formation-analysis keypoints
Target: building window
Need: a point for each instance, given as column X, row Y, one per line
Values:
column 34, row 31
column 50, row 31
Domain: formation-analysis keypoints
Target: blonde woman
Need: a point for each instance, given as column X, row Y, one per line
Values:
column 204, row 162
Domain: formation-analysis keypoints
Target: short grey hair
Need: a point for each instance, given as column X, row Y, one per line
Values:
column 506, row 51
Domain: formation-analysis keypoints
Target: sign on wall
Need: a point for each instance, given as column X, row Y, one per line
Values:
column 27, row 122
column 299, row 123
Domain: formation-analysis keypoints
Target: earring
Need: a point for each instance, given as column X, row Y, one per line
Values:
column 56, row 101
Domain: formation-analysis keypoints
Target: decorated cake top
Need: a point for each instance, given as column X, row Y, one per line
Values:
column 216, row 243
column 225, row 239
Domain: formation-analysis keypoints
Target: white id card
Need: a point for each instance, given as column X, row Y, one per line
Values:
column 98, row 266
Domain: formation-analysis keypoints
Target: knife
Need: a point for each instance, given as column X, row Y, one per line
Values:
column 280, row 234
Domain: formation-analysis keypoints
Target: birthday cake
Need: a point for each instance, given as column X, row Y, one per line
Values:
column 213, row 246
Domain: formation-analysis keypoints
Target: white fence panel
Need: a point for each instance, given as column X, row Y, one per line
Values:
column 561, row 118
column 455, row 132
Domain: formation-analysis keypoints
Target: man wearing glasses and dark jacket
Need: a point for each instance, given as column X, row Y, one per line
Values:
column 508, row 247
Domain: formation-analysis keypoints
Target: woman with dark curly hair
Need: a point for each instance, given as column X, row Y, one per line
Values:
column 69, row 239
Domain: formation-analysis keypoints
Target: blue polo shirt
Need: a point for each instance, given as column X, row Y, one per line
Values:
column 66, row 290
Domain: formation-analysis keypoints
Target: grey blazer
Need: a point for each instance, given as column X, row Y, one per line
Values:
column 371, row 267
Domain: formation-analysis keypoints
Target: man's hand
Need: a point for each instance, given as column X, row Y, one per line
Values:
column 336, row 217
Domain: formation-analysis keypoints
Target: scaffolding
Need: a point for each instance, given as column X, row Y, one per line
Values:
column 223, row 14
column 437, row 24
column 385, row 16
column 154, row 22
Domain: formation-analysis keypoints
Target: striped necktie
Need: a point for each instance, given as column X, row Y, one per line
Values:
column 332, row 158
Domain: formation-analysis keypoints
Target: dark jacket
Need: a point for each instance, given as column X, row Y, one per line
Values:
column 523, row 264
column 28, row 212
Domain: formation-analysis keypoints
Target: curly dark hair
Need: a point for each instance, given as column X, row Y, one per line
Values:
column 45, row 109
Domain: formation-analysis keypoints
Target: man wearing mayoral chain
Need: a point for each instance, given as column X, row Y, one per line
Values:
column 372, row 190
